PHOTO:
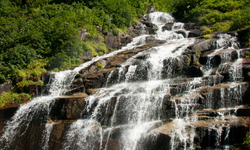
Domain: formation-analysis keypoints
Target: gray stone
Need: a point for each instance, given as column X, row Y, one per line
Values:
column 5, row 87
column 87, row 56
column 194, row 33
column 150, row 38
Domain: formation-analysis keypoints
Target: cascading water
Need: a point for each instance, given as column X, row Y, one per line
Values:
column 137, row 108
column 143, row 97
column 40, row 107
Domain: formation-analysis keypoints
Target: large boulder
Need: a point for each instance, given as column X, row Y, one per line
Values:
column 167, row 26
column 68, row 107
column 111, row 41
column 87, row 56
column 190, row 26
column 194, row 33
column 206, row 45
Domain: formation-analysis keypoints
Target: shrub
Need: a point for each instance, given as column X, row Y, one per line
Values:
column 13, row 97
column 189, row 60
column 88, row 47
column 99, row 65
column 198, row 54
column 221, row 27
column 211, row 18
column 247, row 140
column 207, row 36
column 23, row 86
column 196, row 63
column 206, row 30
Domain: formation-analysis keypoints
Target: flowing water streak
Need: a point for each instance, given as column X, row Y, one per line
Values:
column 225, row 41
column 46, row 135
column 185, row 106
column 235, row 71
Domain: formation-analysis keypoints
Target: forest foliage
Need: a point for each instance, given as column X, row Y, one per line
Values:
column 48, row 30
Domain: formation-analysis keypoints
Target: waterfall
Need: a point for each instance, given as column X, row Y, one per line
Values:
column 146, row 101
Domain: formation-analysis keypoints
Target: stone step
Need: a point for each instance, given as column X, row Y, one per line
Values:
column 75, row 90
column 216, row 57
column 192, row 98
column 206, row 132
column 217, row 112
column 68, row 107
column 225, row 95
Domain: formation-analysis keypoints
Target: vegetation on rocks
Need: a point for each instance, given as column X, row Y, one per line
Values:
column 13, row 97
column 219, row 16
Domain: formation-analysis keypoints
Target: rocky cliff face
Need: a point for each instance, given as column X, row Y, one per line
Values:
column 171, row 89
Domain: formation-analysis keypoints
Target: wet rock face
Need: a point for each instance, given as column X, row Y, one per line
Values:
column 194, row 33
column 167, row 26
column 68, row 107
column 156, row 141
column 190, row 26
column 204, row 45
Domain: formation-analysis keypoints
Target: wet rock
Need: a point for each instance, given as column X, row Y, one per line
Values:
column 182, row 32
column 194, row 33
column 149, row 39
column 152, row 30
column 246, row 68
column 136, row 30
column 45, row 77
column 155, row 141
column 123, row 39
column 245, row 111
column 174, row 66
column 232, row 95
column 75, row 90
column 77, row 82
column 9, row 110
column 150, row 27
column 167, row 26
column 151, row 9
column 58, row 133
column 35, row 90
column 67, row 107
column 148, row 24
column 92, row 91
column 96, row 80
column 93, row 69
column 190, row 26
column 194, row 71
column 141, row 73
column 242, row 34
column 206, row 45
column 167, row 108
